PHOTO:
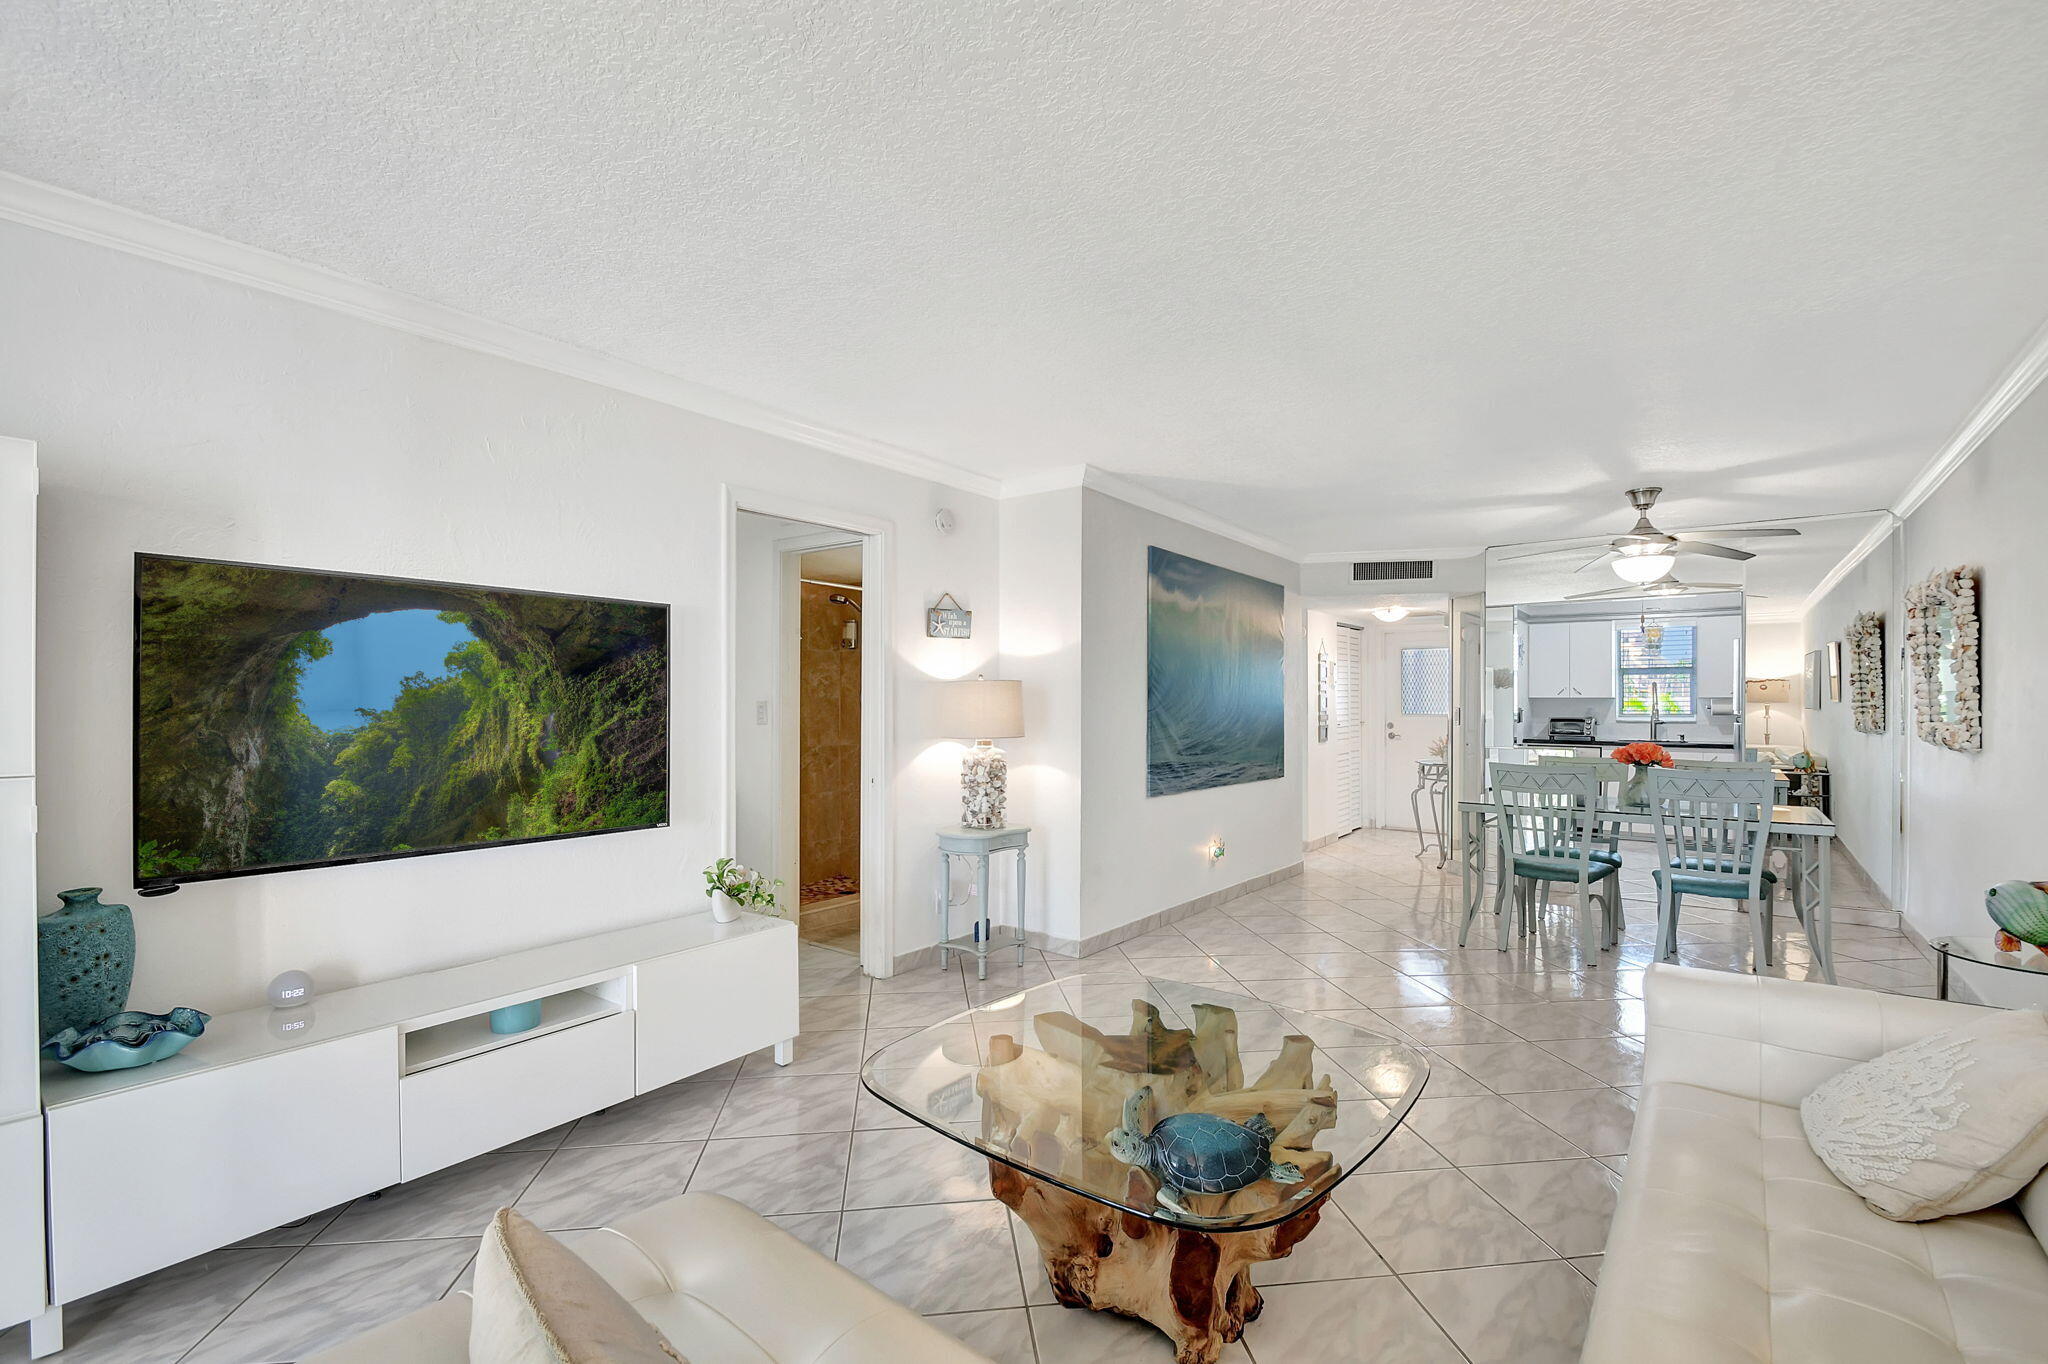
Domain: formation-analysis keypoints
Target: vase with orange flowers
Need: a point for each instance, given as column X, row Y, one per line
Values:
column 1639, row 759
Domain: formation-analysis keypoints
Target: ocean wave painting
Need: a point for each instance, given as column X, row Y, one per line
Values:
column 1215, row 699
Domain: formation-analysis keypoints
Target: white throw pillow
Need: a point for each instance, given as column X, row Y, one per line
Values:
column 536, row 1302
column 1952, row 1123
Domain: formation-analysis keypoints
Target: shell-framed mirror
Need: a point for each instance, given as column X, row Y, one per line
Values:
column 1866, row 672
column 1941, row 653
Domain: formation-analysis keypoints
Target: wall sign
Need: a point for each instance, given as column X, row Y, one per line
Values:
column 948, row 622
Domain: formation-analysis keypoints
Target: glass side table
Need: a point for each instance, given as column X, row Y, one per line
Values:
column 2030, row 961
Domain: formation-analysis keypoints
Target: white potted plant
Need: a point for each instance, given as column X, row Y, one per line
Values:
column 733, row 887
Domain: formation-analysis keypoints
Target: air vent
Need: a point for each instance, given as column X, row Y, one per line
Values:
column 1393, row 570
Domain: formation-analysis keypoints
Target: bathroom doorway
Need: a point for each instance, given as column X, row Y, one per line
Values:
column 829, row 642
column 804, row 717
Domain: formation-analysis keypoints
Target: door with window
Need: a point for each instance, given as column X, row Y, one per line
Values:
column 1413, row 690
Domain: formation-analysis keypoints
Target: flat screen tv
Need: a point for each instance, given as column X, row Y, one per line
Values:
column 286, row 718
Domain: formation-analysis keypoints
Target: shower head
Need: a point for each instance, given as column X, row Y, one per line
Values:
column 841, row 599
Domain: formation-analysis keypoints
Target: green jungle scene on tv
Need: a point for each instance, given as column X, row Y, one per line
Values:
column 286, row 717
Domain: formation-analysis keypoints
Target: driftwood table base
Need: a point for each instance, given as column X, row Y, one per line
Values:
column 1195, row 1286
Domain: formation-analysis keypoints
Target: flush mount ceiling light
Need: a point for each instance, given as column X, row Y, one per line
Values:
column 1390, row 614
column 1643, row 566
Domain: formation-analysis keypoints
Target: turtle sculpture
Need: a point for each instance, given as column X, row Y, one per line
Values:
column 1198, row 1152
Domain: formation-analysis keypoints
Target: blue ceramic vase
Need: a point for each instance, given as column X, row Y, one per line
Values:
column 85, row 960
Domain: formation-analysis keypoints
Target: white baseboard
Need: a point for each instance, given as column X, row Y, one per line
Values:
column 1068, row 947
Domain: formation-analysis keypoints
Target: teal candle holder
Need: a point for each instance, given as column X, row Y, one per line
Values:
column 516, row 1017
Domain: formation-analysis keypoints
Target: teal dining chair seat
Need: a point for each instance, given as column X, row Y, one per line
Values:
column 1565, row 867
column 1700, row 880
column 1597, row 854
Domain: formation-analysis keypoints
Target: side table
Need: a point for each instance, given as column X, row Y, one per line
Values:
column 984, row 938
column 1981, row 954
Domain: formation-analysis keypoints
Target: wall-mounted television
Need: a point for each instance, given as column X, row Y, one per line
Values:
column 287, row 718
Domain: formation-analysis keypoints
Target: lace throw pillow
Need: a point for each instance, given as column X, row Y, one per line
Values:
column 1951, row 1123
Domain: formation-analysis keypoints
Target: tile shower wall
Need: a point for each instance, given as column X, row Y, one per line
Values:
column 829, row 716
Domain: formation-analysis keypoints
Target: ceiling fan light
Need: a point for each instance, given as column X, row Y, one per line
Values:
column 1389, row 615
column 1643, row 568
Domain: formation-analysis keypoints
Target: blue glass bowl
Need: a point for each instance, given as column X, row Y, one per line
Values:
column 124, row 1040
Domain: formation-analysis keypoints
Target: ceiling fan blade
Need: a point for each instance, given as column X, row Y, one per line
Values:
column 1577, row 548
column 1717, row 551
column 1595, row 563
column 1610, row 592
column 1740, row 533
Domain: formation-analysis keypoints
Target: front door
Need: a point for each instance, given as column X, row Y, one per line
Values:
column 1412, row 696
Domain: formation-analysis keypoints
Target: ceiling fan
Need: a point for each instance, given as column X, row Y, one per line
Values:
column 1644, row 554
column 1670, row 587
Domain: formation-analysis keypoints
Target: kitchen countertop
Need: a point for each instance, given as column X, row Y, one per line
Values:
column 1616, row 743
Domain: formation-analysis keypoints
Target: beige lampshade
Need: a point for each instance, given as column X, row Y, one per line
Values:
column 1765, row 691
column 979, row 708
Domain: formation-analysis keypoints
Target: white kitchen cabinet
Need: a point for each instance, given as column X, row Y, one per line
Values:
column 1714, row 642
column 1592, row 643
column 1571, row 658
column 1550, row 660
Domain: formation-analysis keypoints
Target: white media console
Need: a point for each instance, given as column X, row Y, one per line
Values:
column 276, row 1114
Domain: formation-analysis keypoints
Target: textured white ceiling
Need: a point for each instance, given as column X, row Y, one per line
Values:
column 1414, row 274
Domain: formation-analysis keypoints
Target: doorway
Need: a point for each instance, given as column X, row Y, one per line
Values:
column 1411, row 698
column 803, row 687
column 828, row 646
column 1347, row 697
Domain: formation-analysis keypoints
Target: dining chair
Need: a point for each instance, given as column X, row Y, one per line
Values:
column 1548, row 821
column 1713, row 833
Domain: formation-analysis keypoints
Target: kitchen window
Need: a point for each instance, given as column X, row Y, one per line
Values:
column 1659, row 657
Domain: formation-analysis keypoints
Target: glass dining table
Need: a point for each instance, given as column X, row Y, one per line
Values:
column 1801, row 832
column 1159, row 1138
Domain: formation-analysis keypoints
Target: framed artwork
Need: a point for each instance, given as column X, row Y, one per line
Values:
column 1215, row 676
column 1866, row 671
column 1941, row 655
column 1815, row 664
column 1834, row 670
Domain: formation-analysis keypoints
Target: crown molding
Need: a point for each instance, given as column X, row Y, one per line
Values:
column 1861, row 550
column 60, row 211
column 1439, row 552
column 2020, row 379
column 2014, row 386
column 1045, row 481
column 1125, row 491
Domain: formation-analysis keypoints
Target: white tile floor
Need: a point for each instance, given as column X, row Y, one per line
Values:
column 1474, row 1234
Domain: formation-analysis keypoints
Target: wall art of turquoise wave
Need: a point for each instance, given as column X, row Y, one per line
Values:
column 1215, row 698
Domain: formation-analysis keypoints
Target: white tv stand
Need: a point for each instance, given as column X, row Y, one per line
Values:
column 275, row 1114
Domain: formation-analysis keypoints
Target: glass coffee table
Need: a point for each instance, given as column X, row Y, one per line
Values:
column 1158, row 1138
column 1982, row 952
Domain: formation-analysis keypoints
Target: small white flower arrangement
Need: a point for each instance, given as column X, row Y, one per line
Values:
column 733, row 887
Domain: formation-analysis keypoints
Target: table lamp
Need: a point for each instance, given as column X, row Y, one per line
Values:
column 1767, row 692
column 981, row 710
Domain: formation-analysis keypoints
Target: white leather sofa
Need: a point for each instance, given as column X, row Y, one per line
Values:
column 723, row 1284
column 1732, row 1243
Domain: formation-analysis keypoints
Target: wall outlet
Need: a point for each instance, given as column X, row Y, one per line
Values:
column 760, row 712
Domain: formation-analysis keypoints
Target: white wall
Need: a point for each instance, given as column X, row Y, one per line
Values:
column 183, row 414
column 1776, row 648
column 1974, row 819
column 1042, row 648
column 1864, row 769
column 1144, row 854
